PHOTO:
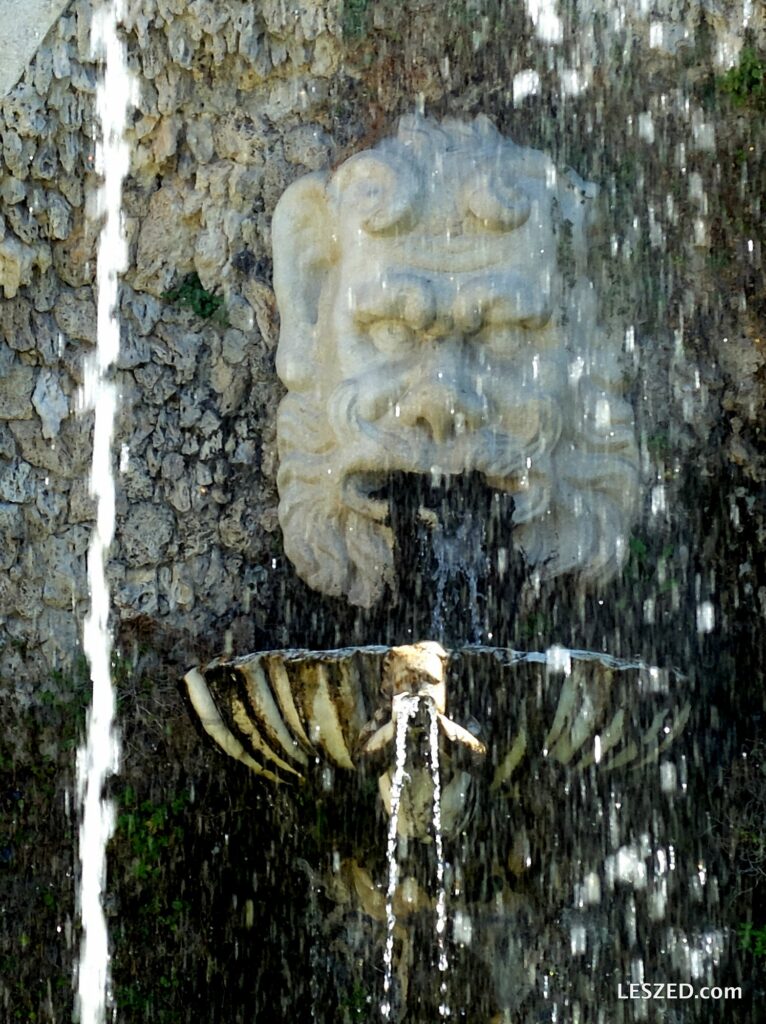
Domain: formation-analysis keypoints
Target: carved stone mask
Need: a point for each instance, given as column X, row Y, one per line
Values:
column 436, row 318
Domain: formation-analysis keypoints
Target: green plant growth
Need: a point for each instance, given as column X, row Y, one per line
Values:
column 56, row 721
column 150, row 829
column 135, row 999
column 190, row 294
column 746, row 83
column 139, row 1001
column 354, row 18
column 147, row 841
column 64, row 703
column 355, row 1005
column 650, row 567
column 534, row 626
column 753, row 939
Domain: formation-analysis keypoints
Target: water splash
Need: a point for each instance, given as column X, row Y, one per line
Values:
column 459, row 551
column 99, row 757
column 404, row 707
column 441, row 893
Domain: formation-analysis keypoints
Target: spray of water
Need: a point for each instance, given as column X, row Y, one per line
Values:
column 403, row 709
column 99, row 757
column 441, row 894
column 459, row 552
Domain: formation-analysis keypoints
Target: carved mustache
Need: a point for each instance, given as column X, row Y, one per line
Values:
column 374, row 441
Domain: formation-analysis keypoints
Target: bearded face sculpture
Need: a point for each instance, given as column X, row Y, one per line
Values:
column 436, row 319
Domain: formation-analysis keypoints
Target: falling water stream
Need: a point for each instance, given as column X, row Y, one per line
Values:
column 441, row 892
column 99, row 757
column 569, row 881
column 405, row 708
column 459, row 553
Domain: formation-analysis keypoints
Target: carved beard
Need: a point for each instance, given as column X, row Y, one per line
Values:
column 366, row 427
column 334, row 548
column 336, row 530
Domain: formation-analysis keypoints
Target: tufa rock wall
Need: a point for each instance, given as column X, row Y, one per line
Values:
column 225, row 123
column 237, row 101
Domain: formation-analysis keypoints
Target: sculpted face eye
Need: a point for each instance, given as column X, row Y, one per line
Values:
column 391, row 336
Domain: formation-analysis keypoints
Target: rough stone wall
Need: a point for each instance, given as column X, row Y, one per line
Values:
column 237, row 100
column 225, row 123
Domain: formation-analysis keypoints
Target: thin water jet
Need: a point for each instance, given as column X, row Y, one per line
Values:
column 441, row 892
column 98, row 758
column 404, row 708
column 679, row 211
column 534, row 722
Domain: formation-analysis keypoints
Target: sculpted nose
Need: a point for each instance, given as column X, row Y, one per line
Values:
column 443, row 403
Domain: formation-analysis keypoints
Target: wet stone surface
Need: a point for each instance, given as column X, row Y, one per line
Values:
column 231, row 901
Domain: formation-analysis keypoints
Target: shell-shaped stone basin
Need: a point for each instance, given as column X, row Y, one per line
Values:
column 284, row 713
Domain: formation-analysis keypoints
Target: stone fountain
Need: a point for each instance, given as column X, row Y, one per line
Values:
column 438, row 323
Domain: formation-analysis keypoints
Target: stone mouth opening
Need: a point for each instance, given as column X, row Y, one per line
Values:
column 437, row 499
column 454, row 553
column 441, row 488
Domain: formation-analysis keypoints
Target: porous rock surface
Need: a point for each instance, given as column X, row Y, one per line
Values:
column 224, row 123
column 237, row 100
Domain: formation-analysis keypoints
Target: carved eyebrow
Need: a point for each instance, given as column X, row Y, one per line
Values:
column 502, row 299
column 410, row 298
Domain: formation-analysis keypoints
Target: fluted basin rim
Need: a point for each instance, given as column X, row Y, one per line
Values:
column 555, row 656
